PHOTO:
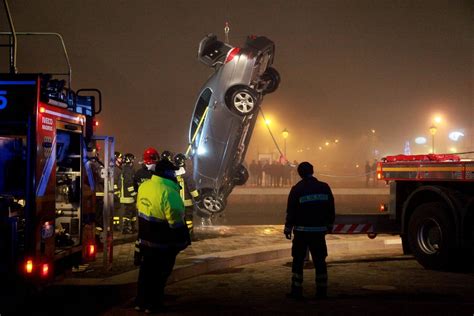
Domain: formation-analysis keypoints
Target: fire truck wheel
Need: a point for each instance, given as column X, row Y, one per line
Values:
column 431, row 236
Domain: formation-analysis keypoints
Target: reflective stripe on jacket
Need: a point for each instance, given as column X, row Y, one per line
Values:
column 188, row 187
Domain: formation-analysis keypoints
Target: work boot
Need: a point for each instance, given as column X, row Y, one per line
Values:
column 296, row 293
column 321, row 293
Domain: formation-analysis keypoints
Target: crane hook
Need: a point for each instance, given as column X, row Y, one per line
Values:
column 226, row 31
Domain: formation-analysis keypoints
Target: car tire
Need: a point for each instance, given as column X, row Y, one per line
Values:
column 241, row 176
column 211, row 204
column 431, row 236
column 242, row 100
column 272, row 76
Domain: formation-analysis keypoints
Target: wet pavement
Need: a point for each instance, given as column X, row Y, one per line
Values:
column 220, row 247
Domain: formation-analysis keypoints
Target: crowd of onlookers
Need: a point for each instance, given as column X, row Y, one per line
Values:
column 272, row 174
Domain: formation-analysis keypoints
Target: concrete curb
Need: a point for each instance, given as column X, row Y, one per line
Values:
column 228, row 259
column 335, row 191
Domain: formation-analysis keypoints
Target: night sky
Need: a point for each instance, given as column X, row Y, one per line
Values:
column 347, row 67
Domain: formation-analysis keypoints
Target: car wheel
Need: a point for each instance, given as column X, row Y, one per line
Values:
column 212, row 204
column 242, row 100
column 272, row 77
column 241, row 176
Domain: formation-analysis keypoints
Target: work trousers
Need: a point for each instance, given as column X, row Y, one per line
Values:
column 316, row 242
column 155, row 268
column 188, row 216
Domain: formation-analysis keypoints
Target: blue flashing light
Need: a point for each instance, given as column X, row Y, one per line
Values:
column 16, row 83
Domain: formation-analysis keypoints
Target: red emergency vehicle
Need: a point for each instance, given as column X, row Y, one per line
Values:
column 47, row 198
column 431, row 206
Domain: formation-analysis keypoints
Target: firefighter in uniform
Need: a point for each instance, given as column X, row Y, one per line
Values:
column 188, row 190
column 128, row 194
column 162, row 234
column 310, row 215
column 96, row 167
column 167, row 155
column 118, row 211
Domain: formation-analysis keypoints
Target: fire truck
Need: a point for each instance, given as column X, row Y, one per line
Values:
column 431, row 206
column 47, row 185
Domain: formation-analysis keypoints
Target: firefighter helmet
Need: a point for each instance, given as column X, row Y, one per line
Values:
column 118, row 158
column 180, row 160
column 150, row 156
column 129, row 158
column 167, row 155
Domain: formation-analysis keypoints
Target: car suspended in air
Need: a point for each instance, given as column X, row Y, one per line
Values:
column 225, row 114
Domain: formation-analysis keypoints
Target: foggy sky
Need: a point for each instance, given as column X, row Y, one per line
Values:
column 347, row 67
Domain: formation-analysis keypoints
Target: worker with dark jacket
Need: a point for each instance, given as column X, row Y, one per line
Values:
column 188, row 192
column 162, row 234
column 310, row 215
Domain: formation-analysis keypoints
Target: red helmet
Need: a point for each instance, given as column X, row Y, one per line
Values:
column 151, row 156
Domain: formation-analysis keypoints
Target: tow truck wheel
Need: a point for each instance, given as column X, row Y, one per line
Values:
column 431, row 236
column 242, row 100
column 272, row 76
column 212, row 204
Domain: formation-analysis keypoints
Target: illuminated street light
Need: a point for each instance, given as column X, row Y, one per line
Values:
column 373, row 131
column 433, row 130
column 420, row 140
column 455, row 136
column 438, row 119
column 327, row 144
column 285, row 134
column 336, row 141
column 268, row 122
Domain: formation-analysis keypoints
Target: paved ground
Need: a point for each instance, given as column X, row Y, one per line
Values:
column 225, row 242
column 391, row 285
column 245, row 270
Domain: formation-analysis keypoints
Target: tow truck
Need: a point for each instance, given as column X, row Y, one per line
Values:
column 47, row 198
column 431, row 206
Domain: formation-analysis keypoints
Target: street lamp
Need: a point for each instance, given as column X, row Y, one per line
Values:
column 433, row 130
column 285, row 136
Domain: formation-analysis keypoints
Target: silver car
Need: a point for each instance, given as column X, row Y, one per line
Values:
column 226, row 112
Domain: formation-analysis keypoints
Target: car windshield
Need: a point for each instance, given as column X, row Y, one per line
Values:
column 201, row 106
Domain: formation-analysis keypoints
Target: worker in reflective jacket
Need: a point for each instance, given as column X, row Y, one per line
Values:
column 162, row 233
column 188, row 192
column 310, row 215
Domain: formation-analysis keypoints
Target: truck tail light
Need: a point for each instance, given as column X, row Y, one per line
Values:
column 91, row 251
column 44, row 270
column 232, row 54
column 42, row 110
column 29, row 266
column 379, row 171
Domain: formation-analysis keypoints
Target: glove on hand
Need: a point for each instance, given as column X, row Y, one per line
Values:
column 287, row 232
